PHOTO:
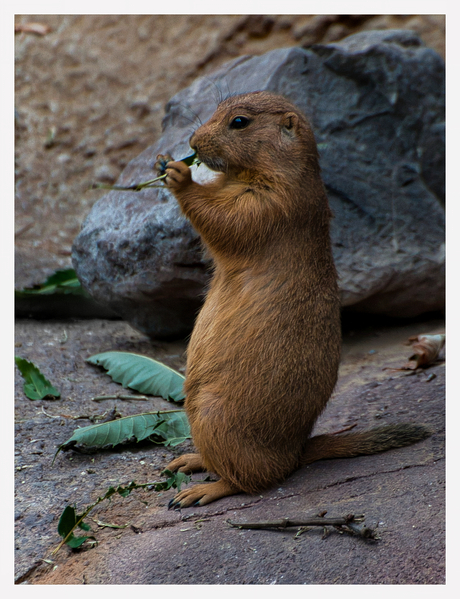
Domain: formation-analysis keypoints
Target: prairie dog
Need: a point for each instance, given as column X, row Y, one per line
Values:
column 264, row 354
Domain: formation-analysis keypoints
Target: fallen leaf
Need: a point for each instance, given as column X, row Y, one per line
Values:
column 426, row 350
column 36, row 386
column 38, row 28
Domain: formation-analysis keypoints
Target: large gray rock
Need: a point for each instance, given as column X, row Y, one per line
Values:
column 376, row 104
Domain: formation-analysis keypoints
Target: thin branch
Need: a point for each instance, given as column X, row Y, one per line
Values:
column 120, row 396
column 348, row 524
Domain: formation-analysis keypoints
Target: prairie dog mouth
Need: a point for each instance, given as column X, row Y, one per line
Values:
column 214, row 163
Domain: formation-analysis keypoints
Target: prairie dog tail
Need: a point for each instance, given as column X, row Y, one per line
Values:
column 380, row 438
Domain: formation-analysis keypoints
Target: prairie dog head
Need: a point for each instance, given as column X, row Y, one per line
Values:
column 256, row 132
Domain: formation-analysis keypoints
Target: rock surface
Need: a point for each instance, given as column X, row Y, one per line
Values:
column 376, row 103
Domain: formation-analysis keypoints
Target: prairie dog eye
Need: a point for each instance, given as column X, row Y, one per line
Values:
column 239, row 122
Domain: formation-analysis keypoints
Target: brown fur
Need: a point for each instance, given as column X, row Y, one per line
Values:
column 264, row 353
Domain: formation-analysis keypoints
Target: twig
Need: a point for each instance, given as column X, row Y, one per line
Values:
column 118, row 396
column 138, row 187
column 49, row 415
column 348, row 524
column 81, row 417
column 107, row 525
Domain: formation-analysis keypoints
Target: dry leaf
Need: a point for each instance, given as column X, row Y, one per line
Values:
column 38, row 28
column 426, row 350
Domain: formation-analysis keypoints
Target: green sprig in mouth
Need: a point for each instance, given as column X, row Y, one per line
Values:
column 189, row 161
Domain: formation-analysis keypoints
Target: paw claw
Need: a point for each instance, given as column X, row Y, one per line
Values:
column 172, row 504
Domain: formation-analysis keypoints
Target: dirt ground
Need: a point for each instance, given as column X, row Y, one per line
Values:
column 401, row 491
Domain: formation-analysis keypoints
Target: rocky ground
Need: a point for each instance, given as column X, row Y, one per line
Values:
column 89, row 97
column 401, row 492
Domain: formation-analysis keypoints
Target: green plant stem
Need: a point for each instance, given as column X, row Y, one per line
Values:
column 82, row 517
column 158, row 486
column 189, row 160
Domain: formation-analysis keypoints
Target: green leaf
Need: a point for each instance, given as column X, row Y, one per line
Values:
column 189, row 160
column 61, row 282
column 36, row 386
column 68, row 521
column 124, row 492
column 175, row 479
column 75, row 542
column 174, row 431
column 171, row 426
column 63, row 278
column 142, row 374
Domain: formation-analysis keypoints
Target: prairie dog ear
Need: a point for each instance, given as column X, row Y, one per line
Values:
column 289, row 123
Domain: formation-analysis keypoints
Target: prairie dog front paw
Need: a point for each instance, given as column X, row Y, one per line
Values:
column 162, row 161
column 178, row 176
